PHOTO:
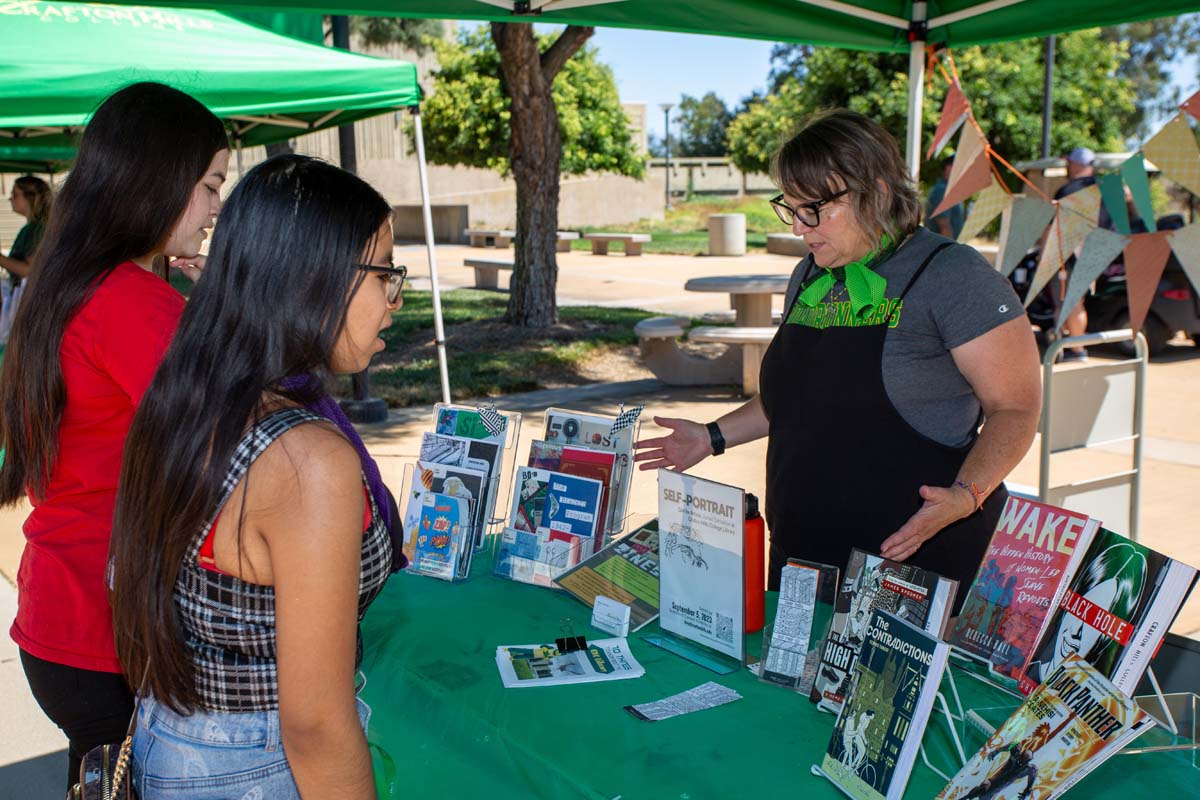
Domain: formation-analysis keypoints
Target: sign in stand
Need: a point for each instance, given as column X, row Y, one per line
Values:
column 701, row 577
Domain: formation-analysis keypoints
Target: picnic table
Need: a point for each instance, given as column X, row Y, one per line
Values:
column 750, row 295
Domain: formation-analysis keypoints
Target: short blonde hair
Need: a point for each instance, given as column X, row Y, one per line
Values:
column 840, row 148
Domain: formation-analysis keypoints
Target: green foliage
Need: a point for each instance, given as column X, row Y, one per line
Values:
column 701, row 124
column 1153, row 44
column 1003, row 82
column 467, row 115
column 411, row 34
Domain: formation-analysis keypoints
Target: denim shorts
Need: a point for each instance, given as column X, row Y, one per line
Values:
column 210, row 755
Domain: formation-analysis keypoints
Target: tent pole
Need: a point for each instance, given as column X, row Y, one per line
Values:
column 241, row 171
column 427, row 213
column 916, row 88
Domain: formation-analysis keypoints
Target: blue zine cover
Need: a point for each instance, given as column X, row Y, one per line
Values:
column 572, row 504
column 439, row 536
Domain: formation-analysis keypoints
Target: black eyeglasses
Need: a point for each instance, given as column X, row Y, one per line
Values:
column 396, row 277
column 808, row 213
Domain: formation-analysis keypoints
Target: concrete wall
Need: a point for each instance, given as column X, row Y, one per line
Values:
column 709, row 176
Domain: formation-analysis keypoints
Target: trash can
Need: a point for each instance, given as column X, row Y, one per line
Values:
column 727, row 235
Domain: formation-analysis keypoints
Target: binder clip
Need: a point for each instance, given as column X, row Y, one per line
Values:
column 569, row 642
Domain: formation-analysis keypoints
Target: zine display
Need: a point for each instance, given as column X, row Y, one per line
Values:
column 545, row 665
column 701, row 561
column 442, row 535
column 1067, row 727
column 792, row 647
column 914, row 595
column 594, row 431
column 1033, row 552
column 893, row 684
column 441, row 479
column 626, row 571
column 456, row 451
column 552, row 525
column 1121, row 600
column 585, row 462
column 456, row 425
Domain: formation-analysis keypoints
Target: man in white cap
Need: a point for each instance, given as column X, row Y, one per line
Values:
column 1081, row 173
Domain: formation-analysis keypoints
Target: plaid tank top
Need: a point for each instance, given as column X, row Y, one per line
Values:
column 229, row 624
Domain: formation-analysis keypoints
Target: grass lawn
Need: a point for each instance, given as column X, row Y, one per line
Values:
column 685, row 229
column 488, row 357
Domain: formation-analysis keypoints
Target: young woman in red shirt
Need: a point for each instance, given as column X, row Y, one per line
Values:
column 91, row 331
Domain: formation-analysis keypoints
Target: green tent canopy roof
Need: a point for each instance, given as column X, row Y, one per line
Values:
column 857, row 24
column 60, row 60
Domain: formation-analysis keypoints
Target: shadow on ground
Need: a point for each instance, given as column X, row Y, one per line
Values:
column 38, row 778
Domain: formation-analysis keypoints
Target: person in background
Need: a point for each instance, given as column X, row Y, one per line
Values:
column 145, row 185
column 1081, row 173
column 31, row 198
column 903, row 384
column 248, row 542
column 950, row 222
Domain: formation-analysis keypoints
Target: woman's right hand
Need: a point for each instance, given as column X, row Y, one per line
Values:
column 687, row 445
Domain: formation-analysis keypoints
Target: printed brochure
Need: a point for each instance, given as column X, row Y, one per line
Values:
column 544, row 665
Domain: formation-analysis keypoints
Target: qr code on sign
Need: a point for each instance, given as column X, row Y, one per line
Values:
column 724, row 631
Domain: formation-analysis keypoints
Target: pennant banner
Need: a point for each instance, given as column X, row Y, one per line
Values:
column 1192, row 105
column 1078, row 215
column 986, row 207
column 1113, row 193
column 1186, row 244
column 1050, row 262
column 1100, row 248
column 1133, row 171
column 1173, row 150
column 954, row 111
column 1145, row 256
column 1021, row 226
column 972, row 170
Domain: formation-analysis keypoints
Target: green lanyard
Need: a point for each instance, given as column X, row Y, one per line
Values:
column 866, row 288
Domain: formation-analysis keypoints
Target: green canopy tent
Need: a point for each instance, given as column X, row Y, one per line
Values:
column 886, row 25
column 61, row 60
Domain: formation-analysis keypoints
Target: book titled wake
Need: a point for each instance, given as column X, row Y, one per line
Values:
column 917, row 596
column 1033, row 552
column 1120, row 602
column 1067, row 727
column 878, row 732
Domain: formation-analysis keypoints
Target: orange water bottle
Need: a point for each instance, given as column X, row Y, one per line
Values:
column 755, row 534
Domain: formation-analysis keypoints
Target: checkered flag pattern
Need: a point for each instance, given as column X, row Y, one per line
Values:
column 493, row 420
column 625, row 418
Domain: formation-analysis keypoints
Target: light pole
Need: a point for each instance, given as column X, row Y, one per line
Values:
column 666, row 107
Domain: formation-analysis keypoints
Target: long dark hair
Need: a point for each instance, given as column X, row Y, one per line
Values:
column 271, row 305
column 139, row 159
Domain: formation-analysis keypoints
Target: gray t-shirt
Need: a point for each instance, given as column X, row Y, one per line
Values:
column 958, row 298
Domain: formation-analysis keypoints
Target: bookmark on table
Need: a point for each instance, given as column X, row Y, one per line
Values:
column 706, row 695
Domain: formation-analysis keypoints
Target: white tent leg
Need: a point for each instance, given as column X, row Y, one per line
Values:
column 916, row 96
column 241, row 171
column 438, row 331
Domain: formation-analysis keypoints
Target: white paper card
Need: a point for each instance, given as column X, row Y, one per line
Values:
column 706, row 695
column 611, row 616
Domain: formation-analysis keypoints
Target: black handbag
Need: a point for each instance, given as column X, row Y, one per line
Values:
column 104, row 771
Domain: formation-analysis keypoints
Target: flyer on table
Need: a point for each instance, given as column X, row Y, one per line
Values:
column 701, row 561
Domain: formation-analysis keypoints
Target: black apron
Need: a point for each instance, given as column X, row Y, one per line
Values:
column 844, row 469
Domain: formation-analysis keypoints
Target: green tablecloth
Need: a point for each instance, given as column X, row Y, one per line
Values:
column 444, row 726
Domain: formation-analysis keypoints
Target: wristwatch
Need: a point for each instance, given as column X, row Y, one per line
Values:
column 715, row 438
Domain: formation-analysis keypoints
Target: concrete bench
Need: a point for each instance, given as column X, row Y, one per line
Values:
column 786, row 244
column 564, row 240
column 729, row 317
column 487, row 270
column 480, row 238
column 632, row 241
column 751, row 341
column 661, row 354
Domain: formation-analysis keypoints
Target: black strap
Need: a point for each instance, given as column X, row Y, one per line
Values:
column 928, row 260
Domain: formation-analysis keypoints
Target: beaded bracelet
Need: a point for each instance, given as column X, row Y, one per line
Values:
column 973, row 488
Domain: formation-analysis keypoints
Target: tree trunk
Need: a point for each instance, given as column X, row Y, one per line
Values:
column 535, row 151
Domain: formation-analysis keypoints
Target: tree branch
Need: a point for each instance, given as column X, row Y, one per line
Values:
column 565, row 46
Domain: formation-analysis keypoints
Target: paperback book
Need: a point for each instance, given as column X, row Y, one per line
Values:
column 443, row 534
column 626, row 571
column 475, row 454
column 1033, row 552
column 1067, row 727
column 546, row 665
column 594, row 431
column 460, row 482
column 893, row 684
column 792, row 647
column 552, row 527
column 914, row 595
column 1120, row 602
column 584, row 462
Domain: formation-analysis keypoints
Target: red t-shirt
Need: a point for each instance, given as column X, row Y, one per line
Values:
column 109, row 353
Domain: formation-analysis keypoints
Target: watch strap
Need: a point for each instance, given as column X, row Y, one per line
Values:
column 716, row 438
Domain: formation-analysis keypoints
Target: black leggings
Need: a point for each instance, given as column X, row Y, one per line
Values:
column 92, row 708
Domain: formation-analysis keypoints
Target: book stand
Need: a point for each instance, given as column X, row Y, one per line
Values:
column 501, row 482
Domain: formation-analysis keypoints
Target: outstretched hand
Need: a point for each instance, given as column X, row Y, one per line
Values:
column 943, row 506
column 687, row 445
column 190, row 266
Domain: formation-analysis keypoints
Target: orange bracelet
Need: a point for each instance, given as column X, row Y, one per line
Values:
column 973, row 488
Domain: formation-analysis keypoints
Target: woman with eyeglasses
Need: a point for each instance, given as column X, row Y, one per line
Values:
column 897, row 344
column 95, row 321
column 251, row 529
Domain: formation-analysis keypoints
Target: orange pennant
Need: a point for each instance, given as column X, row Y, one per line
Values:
column 1192, row 105
column 972, row 170
column 954, row 111
column 1145, row 257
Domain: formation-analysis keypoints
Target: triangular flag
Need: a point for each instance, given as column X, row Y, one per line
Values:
column 1133, row 172
column 1173, row 150
column 990, row 202
column 1186, row 244
column 1049, row 263
column 1113, row 192
column 1192, row 105
column 954, row 111
column 1078, row 215
column 1100, row 249
column 1145, row 256
column 1020, row 228
column 972, row 170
